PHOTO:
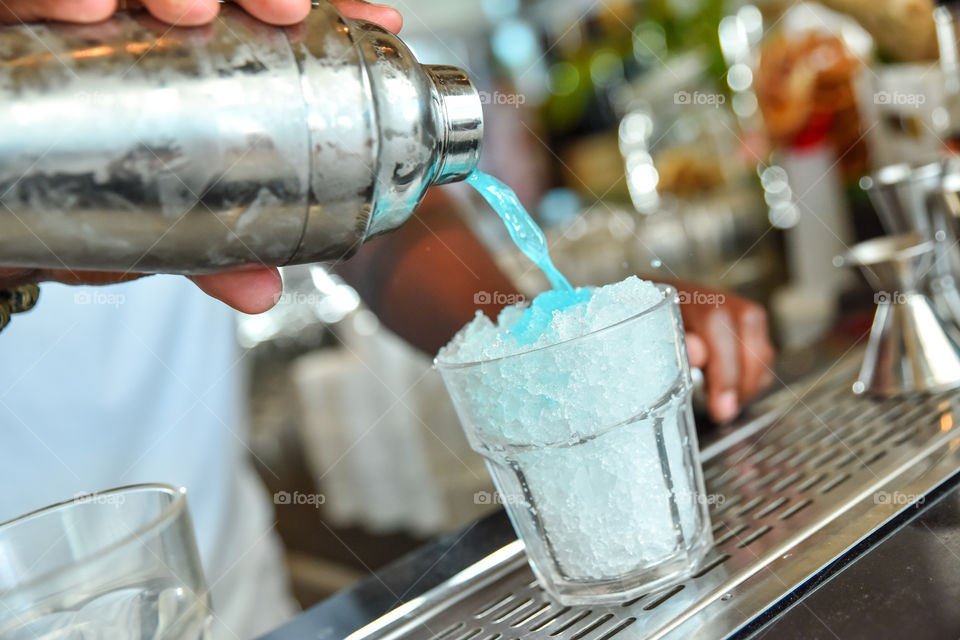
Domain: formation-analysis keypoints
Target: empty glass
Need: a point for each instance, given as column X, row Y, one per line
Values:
column 608, row 498
column 121, row 564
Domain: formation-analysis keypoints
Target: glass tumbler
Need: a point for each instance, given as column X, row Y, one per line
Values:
column 121, row 564
column 592, row 446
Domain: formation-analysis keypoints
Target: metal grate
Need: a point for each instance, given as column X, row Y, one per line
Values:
column 792, row 491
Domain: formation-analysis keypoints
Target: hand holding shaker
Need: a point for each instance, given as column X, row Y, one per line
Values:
column 133, row 146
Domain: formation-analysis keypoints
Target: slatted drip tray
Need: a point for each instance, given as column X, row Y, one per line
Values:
column 794, row 489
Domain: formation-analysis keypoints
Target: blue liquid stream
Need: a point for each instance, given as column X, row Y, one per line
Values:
column 525, row 233
column 529, row 238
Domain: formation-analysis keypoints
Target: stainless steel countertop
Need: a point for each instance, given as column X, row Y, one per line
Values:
column 901, row 579
column 902, row 582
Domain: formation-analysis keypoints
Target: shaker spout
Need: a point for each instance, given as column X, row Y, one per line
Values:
column 459, row 112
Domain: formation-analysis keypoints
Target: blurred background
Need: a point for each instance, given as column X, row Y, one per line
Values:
column 714, row 141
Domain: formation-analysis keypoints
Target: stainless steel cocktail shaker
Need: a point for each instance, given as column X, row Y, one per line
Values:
column 130, row 145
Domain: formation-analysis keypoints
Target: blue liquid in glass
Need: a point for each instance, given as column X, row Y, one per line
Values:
column 524, row 231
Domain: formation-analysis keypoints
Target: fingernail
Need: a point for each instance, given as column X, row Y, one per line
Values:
column 727, row 406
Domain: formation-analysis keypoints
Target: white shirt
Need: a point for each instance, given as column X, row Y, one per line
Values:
column 142, row 382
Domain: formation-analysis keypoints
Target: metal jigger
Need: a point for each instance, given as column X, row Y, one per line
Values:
column 911, row 347
column 916, row 199
column 902, row 196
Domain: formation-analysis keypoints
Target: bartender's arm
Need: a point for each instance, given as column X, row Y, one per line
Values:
column 250, row 290
column 422, row 280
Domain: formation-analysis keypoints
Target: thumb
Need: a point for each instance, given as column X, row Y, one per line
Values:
column 248, row 290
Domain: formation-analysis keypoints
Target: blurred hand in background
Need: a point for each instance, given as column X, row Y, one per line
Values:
column 728, row 337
